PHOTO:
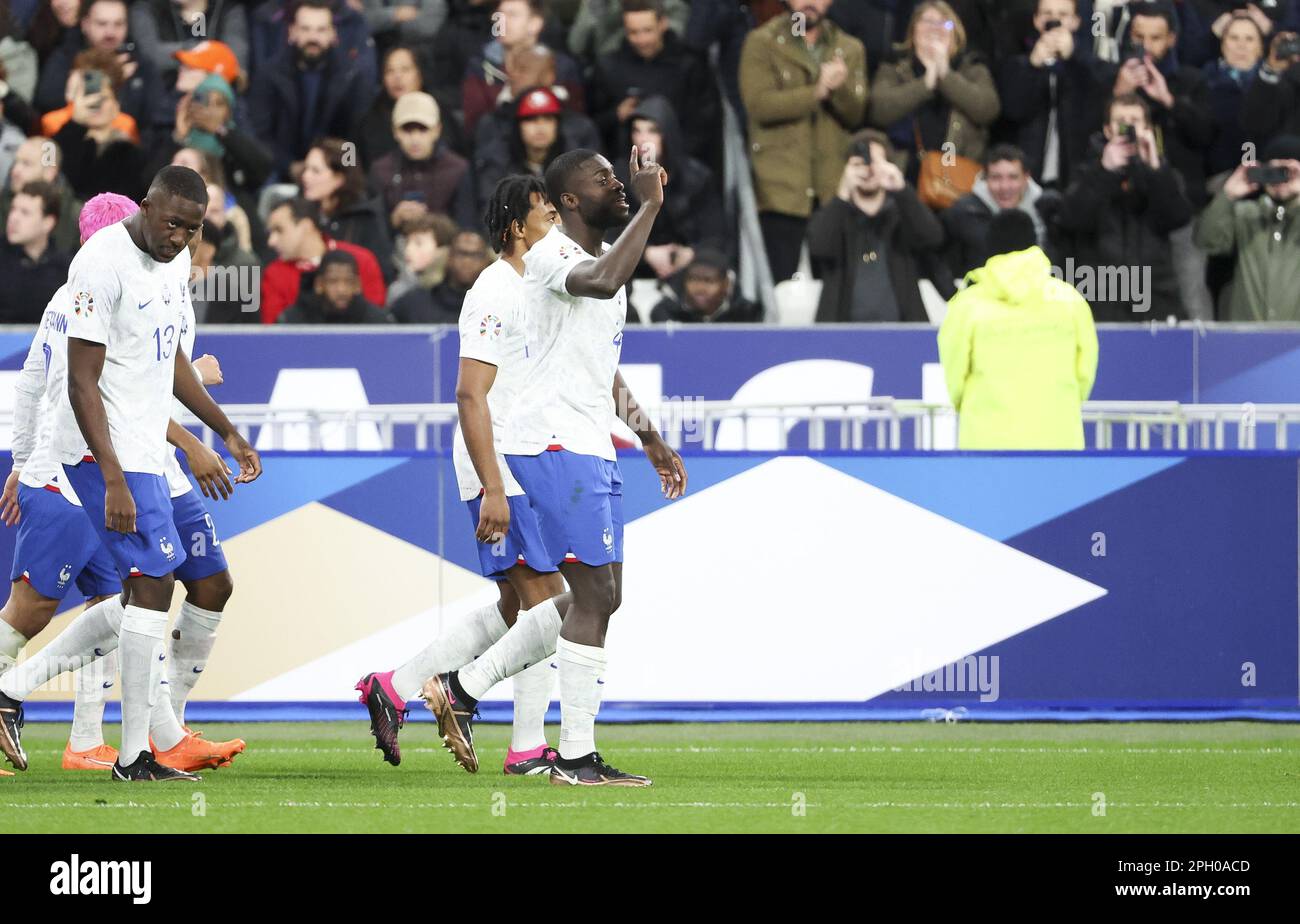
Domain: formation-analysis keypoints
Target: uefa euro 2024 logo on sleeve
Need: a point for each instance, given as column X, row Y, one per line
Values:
column 83, row 305
column 490, row 327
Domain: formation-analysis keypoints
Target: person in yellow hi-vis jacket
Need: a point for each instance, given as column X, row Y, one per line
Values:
column 1018, row 347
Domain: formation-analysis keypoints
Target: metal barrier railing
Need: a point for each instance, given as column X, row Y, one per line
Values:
column 881, row 424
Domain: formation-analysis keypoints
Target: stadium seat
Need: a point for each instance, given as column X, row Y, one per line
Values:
column 796, row 302
column 643, row 297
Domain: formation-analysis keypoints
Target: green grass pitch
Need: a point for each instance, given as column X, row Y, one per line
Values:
column 865, row 777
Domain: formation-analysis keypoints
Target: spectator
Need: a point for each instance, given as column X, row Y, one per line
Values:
column 1229, row 79
column 297, row 240
column 442, row 303
column 692, row 213
column 103, row 27
column 335, row 296
column 332, row 179
column 223, row 275
column 937, row 94
column 310, row 90
column 41, row 159
column 528, row 69
column 100, row 149
column 401, row 74
column 866, row 241
column 1005, row 185
column 1048, row 95
column 520, row 26
column 726, row 24
column 18, row 60
column 598, row 29
column 413, row 21
column 272, row 22
column 802, row 96
column 468, row 28
column 652, row 61
column 426, row 246
column 423, row 175
column 1260, row 230
column 705, row 293
column 229, row 209
column 164, row 27
column 1269, row 16
column 55, row 22
column 30, row 265
column 1272, row 104
column 205, row 120
column 1018, row 348
column 541, row 130
column 1122, row 207
column 193, row 66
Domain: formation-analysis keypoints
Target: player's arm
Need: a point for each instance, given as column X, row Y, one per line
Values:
column 208, row 468
column 604, row 276
column 666, row 460
column 473, row 382
column 28, row 391
column 85, row 366
column 190, row 392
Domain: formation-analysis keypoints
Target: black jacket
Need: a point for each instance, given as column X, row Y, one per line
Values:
column 1272, row 105
column 275, row 107
column 837, row 244
column 677, row 74
column 1026, row 93
column 439, row 305
column 496, row 153
column 693, row 212
column 1123, row 220
column 364, row 224
column 119, row 166
column 1186, row 130
column 735, row 310
column 310, row 309
column 29, row 285
column 966, row 224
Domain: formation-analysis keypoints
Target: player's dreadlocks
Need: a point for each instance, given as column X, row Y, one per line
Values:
column 511, row 201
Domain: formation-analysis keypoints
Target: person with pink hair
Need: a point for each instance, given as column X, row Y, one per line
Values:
column 103, row 210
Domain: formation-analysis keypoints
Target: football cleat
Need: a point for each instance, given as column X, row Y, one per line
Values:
column 193, row 753
column 144, row 769
column 387, row 713
column 455, row 722
column 536, row 762
column 100, row 757
column 11, row 731
column 592, row 771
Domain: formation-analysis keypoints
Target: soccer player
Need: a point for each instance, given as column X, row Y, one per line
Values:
column 124, row 365
column 56, row 545
column 492, row 358
column 557, row 445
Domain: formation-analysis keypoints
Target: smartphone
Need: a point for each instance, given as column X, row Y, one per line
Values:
column 92, row 82
column 413, row 196
column 1052, row 24
column 1268, row 176
column 1130, row 134
column 126, row 48
column 1132, row 52
column 1289, row 47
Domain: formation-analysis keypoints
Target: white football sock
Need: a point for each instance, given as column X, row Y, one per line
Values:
column 188, row 647
column 11, row 645
column 142, row 665
column 459, row 643
column 91, row 635
column 532, row 698
column 165, row 731
column 532, row 639
column 581, row 667
column 93, row 683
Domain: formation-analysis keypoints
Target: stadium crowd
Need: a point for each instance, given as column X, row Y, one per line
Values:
column 350, row 146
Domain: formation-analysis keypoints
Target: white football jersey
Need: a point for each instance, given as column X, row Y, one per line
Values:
column 574, row 342
column 49, row 354
column 121, row 297
column 492, row 331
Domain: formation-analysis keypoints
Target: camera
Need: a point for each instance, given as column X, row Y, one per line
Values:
column 1129, row 133
column 1268, row 176
column 1052, row 24
column 1289, row 47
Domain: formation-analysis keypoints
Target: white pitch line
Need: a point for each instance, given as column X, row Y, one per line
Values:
column 216, row 805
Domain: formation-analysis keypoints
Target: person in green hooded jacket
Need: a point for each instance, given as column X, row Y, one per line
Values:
column 1018, row 347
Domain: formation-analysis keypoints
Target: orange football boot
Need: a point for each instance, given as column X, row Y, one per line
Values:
column 100, row 757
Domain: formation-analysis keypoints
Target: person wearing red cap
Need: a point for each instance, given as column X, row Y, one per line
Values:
column 540, row 129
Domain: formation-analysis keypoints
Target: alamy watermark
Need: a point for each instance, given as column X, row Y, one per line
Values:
column 972, row 674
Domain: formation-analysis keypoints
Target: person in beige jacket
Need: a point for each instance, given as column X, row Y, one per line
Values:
column 803, row 81
column 937, row 93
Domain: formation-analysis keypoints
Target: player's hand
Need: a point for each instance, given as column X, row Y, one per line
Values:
column 209, row 369
column 250, row 463
column 210, row 471
column 668, row 463
column 648, row 178
column 493, row 517
column 119, row 508
column 9, row 512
